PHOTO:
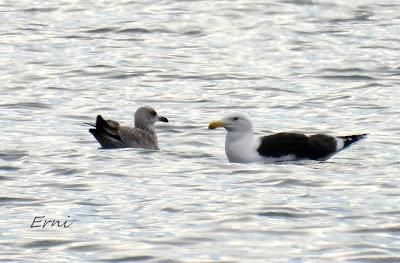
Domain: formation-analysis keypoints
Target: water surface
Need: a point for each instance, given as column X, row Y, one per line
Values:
column 309, row 66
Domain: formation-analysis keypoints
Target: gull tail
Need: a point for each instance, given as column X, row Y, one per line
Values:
column 101, row 126
column 349, row 140
column 105, row 133
column 100, row 122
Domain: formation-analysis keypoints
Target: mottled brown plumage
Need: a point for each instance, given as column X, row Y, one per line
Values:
column 110, row 134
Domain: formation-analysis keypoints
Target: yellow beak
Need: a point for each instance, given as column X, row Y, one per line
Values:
column 215, row 124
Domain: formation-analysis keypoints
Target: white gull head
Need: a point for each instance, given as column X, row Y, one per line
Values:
column 240, row 144
column 234, row 122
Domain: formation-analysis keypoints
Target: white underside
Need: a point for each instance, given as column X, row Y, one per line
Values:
column 285, row 158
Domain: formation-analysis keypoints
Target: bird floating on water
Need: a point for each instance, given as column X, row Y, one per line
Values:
column 110, row 134
column 241, row 145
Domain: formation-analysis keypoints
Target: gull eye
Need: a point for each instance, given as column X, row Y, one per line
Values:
column 235, row 118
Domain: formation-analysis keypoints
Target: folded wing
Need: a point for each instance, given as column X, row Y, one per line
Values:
column 313, row 147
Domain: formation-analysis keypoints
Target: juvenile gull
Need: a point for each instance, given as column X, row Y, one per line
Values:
column 241, row 145
column 110, row 134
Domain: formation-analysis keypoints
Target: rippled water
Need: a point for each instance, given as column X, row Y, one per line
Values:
column 310, row 66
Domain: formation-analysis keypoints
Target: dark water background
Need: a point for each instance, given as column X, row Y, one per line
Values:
column 310, row 66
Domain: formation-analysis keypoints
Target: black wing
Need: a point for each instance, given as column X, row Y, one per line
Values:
column 304, row 147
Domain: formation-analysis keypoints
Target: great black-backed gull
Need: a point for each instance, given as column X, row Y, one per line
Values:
column 241, row 145
column 110, row 134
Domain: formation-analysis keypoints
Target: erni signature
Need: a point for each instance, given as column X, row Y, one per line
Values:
column 42, row 222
